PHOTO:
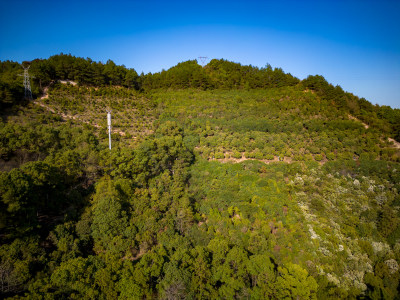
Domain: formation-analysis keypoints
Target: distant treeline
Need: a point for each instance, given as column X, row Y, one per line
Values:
column 189, row 74
column 217, row 74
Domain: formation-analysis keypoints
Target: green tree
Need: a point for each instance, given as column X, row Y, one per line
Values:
column 110, row 221
column 293, row 282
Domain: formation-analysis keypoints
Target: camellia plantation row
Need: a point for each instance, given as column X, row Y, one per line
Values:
column 224, row 182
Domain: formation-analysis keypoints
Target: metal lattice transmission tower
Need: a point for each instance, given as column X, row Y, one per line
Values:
column 203, row 60
column 27, row 83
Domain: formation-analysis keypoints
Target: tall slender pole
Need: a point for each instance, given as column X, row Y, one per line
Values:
column 109, row 128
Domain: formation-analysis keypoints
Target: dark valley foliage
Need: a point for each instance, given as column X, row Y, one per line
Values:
column 224, row 182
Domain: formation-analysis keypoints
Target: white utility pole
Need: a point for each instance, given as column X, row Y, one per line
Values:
column 109, row 127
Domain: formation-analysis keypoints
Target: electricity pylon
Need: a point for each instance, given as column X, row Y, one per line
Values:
column 203, row 60
column 27, row 83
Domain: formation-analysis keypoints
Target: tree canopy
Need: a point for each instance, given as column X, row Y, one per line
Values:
column 223, row 182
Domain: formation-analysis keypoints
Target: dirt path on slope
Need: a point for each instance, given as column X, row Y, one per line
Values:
column 354, row 118
column 65, row 116
column 287, row 160
column 396, row 144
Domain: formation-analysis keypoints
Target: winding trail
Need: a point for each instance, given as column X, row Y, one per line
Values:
column 396, row 144
column 65, row 116
column 354, row 118
column 287, row 160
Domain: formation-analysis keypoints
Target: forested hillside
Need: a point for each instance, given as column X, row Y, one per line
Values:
column 223, row 182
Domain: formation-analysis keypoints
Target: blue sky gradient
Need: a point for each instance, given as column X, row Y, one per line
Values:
column 354, row 44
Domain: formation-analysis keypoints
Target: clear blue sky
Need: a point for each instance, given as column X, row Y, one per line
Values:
column 355, row 44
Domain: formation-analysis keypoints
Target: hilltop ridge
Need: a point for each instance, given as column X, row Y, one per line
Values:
column 217, row 74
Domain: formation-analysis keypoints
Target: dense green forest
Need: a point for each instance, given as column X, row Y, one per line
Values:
column 223, row 182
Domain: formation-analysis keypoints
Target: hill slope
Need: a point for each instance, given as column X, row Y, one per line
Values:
column 227, row 181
